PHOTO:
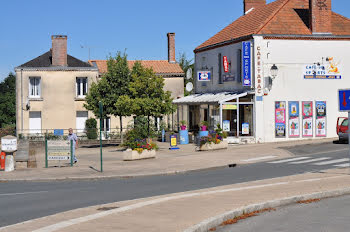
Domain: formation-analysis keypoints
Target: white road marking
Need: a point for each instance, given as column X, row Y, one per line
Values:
column 288, row 160
column 24, row 193
column 332, row 161
column 343, row 165
column 260, row 158
column 310, row 161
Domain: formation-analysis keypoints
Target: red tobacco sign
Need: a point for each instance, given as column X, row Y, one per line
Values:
column 225, row 63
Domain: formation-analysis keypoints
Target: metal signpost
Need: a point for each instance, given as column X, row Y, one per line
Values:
column 344, row 106
column 57, row 150
column 101, row 124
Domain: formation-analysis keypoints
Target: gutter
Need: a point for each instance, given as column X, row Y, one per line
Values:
column 56, row 68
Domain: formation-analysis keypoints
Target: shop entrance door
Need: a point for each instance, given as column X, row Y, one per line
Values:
column 230, row 120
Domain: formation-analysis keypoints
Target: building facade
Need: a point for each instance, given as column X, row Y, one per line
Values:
column 274, row 73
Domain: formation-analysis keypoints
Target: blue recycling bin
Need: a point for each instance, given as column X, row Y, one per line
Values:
column 184, row 137
column 203, row 133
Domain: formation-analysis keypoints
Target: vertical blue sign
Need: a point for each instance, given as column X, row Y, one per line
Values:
column 246, row 63
column 344, row 100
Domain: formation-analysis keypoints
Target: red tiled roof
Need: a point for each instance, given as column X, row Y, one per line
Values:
column 281, row 17
column 159, row 66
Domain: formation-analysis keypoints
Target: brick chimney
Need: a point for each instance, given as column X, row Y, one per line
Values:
column 59, row 50
column 249, row 4
column 321, row 16
column 171, row 48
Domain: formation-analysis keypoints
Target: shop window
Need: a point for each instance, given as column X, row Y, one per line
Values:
column 246, row 127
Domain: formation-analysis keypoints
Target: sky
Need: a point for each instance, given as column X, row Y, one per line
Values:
column 107, row 26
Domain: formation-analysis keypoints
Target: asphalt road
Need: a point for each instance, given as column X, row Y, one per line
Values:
column 327, row 215
column 21, row 201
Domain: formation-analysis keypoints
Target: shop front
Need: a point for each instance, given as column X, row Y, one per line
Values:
column 234, row 112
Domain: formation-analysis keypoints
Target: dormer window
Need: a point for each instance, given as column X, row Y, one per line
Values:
column 81, row 87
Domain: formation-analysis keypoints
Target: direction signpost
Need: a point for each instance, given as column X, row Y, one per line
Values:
column 344, row 106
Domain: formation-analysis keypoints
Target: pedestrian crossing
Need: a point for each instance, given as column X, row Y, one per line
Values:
column 336, row 162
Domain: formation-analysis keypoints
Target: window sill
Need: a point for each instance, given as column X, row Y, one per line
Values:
column 35, row 99
column 79, row 98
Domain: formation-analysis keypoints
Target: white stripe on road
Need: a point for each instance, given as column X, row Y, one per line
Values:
column 288, row 160
column 343, row 165
column 14, row 194
column 332, row 161
column 260, row 158
column 310, row 161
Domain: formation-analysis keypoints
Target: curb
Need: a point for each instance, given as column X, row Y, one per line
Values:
column 209, row 223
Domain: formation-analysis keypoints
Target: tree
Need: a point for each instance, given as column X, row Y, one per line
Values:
column 147, row 96
column 8, row 101
column 113, row 85
column 186, row 64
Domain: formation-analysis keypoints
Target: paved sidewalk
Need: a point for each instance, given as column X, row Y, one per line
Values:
column 177, row 212
column 166, row 162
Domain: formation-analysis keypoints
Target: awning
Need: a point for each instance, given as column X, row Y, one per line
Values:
column 210, row 98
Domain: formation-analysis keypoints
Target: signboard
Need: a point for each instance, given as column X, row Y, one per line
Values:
column 226, row 125
column 344, row 100
column 307, row 119
column 173, row 140
column 258, row 74
column 229, row 107
column 225, row 63
column 9, row 143
column 246, row 63
column 58, row 150
column 293, row 122
column 328, row 70
column 245, row 128
column 321, row 115
column 204, row 75
column 280, row 119
column 58, row 132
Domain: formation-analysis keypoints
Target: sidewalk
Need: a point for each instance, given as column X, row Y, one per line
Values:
column 167, row 161
column 178, row 212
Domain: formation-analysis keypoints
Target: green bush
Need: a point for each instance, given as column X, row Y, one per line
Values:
column 139, row 133
column 91, row 128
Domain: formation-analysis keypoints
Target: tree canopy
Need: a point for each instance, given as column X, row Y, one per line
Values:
column 8, row 101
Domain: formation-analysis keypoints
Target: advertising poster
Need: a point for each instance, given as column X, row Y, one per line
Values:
column 321, row 116
column 245, row 128
column 307, row 119
column 280, row 119
column 329, row 70
column 226, row 125
column 293, row 122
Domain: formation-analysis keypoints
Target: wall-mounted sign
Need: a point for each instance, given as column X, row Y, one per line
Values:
column 245, row 128
column 226, row 125
column 293, row 122
column 328, row 70
column 229, row 107
column 321, row 114
column 9, row 143
column 344, row 100
column 307, row 119
column 280, row 119
column 259, row 79
column 228, row 77
column 246, row 63
column 203, row 75
column 225, row 63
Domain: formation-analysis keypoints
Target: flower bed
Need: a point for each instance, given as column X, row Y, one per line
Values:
column 213, row 141
column 140, row 149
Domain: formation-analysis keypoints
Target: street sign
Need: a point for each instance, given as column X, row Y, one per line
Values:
column 344, row 100
column 9, row 143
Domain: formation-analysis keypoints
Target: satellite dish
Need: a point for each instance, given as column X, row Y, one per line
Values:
column 189, row 86
column 189, row 74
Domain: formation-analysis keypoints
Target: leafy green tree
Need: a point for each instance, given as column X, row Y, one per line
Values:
column 113, row 85
column 147, row 96
column 186, row 63
column 8, row 101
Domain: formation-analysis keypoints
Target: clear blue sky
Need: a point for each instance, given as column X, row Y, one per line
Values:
column 108, row 26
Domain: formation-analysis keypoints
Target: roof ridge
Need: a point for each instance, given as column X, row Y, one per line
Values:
column 273, row 15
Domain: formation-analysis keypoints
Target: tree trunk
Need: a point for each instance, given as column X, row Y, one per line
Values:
column 148, row 126
column 121, row 129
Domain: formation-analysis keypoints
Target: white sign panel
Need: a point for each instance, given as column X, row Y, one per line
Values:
column 8, row 143
column 226, row 125
column 58, row 150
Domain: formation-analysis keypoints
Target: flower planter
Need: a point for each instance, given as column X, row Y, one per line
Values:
column 129, row 154
column 213, row 146
column 203, row 128
column 183, row 127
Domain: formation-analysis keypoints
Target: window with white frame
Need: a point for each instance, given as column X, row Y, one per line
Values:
column 34, row 87
column 81, row 86
column 107, row 124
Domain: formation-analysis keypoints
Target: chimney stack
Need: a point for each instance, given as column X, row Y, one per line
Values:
column 59, row 50
column 321, row 16
column 249, row 4
column 171, row 48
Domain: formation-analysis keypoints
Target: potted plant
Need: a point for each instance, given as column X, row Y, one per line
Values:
column 183, row 125
column 204, row 125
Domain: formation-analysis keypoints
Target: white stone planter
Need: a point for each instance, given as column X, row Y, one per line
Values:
column 135, row 155
column 213, row 146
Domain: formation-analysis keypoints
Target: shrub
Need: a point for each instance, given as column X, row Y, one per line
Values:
column 91, row 128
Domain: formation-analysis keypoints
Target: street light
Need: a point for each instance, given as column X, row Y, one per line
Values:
column 274, row 71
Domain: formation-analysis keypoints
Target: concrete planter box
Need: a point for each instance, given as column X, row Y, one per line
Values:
column 213, row 146
column 135, row 155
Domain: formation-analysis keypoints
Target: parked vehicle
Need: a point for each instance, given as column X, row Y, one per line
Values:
column 342, row 129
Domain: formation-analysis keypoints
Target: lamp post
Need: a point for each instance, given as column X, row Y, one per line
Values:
column 274, row 71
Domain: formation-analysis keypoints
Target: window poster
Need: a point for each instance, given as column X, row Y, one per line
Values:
column 293, row 122
column 280, row 119
column 245, row 128
column 226, row 125
column 307, row 119
column 321, row 115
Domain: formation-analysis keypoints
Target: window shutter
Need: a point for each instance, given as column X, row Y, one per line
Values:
column 220, row 67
